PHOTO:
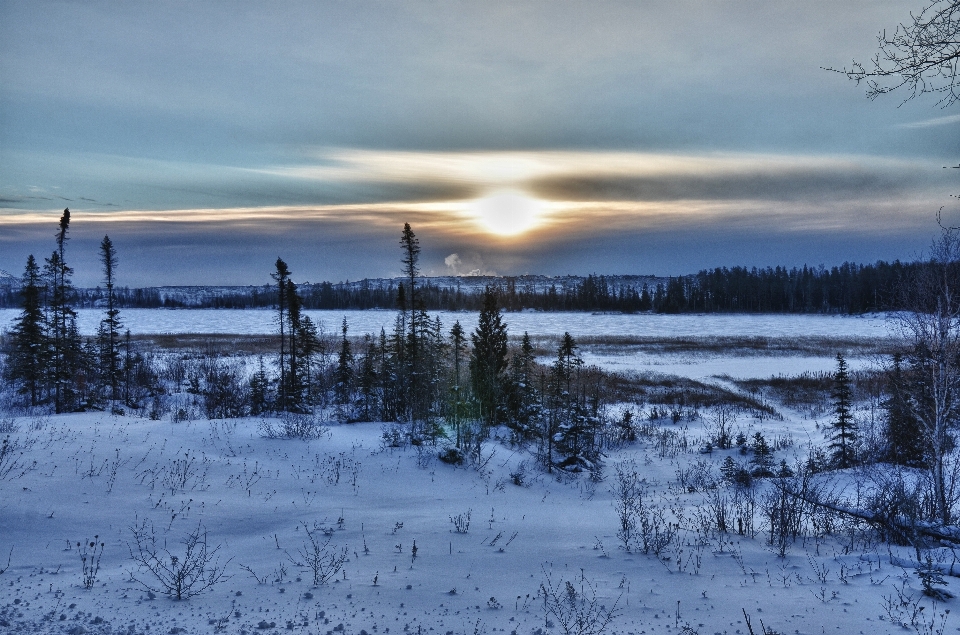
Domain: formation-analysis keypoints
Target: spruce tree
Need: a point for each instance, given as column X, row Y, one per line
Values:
column 458, row 345
column 843, row 432
column 259, row 385
column 110, row 325
column 29, row 353
column 568, row 424
column 411, row 361
column 280, row 276
column 488, row 360
column 343, row 378
column 368, row 380
column 522, row 397
column 294, row 375
column 65, row 349
column 904, row 436
column 308, row 345
column 762, row 459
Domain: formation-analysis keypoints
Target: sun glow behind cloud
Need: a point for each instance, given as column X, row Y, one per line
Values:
column 509, row 211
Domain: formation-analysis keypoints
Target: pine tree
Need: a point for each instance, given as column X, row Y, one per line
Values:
column 904, row 436
column 280, row 276
column 309, row 344
column 488, row 360
column 295, row 397
column 522, row 403
column 567, row 421
column 65, row 346
column 762, row 459
column 110, row 325
column 29, row 353
column 411, row 361
column 843, row 429
column 458, row 345
column 343, row 377
column 259, row 384
column 368, row 380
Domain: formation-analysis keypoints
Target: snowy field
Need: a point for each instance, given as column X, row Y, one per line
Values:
column 99, row 475
column 256, row 322
column 585, row 327
column 254, row 499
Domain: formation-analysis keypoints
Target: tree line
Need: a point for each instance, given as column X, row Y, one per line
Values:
column 849, row 288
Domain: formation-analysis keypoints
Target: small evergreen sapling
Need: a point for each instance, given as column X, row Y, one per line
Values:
column 843, row 429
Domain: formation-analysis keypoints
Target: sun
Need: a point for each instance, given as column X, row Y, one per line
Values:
column 507, row 212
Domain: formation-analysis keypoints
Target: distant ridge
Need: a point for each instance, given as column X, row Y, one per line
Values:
column 8, row 281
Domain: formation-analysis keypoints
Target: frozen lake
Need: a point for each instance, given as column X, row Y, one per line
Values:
column 257, row 322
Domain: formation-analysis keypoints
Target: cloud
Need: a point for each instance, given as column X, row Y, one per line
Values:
column 613, row 175
column 929, row 123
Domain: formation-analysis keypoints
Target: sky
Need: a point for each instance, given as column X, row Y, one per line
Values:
column 207, row 139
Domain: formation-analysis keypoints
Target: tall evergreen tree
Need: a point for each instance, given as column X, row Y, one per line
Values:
column 567, row 426
column 309, row 344
column 65, row 346
column 29, row 353
column 110, row 325
column 280, row 276
column 259, row 385
column 368, row 381
column 294, row 390
column 843, row 431
column 458, row 345
column 488, row 360
column 343, row 378
column 904, row 436
column 411, row 270
column 410, row 360
column 522, row 404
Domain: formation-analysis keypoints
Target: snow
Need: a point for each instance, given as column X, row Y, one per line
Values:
column 100, row 475
column 254, row 321
column 559, row 529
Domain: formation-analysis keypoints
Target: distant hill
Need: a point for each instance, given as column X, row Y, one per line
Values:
column 8, row 281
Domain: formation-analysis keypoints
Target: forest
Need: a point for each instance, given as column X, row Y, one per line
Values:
column 849, row 288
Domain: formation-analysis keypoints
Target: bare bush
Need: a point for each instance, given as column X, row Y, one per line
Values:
column 643, row 527
column 12, row 462
column 461, row 522
column 178, row 576
column 185, row 473
column 323, row 561
column 8, row 424
column 577, row 611
column 293, row 425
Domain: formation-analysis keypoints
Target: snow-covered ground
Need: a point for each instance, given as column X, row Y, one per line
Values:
column 103, row 475
column 99, row 475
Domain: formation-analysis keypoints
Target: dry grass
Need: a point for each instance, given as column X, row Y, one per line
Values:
column 739, row 345
column 812, row 390
column 681, row 392
column 211, row 344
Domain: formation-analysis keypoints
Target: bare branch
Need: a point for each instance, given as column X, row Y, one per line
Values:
column 920, row 56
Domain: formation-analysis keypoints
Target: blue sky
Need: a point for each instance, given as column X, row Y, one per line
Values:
column 632, row 137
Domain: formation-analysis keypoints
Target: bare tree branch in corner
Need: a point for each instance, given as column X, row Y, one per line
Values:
column 920, row 56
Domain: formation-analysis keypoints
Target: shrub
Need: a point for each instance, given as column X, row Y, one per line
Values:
column 325, row 563
column 452, row 456
column 576, row 610
column 178, row 576
column 293, row 425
